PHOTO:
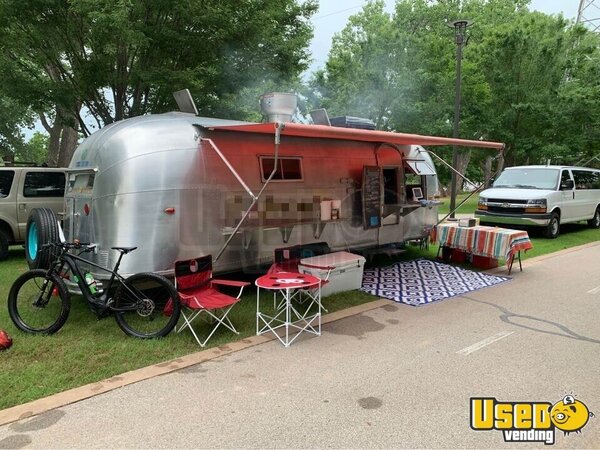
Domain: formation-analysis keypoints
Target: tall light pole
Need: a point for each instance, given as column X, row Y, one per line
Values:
column 460, row 34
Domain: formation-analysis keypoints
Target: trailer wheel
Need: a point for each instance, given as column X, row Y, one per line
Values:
column 42, row 228
column 3, row 245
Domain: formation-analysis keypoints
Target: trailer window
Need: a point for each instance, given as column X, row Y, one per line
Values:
column 413, row 181
column 390, row 186
column 44, row 184
column 6, row 179
column 288, row 168
column 81, row 183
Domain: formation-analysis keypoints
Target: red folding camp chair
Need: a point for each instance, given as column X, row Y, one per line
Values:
column 288, row 259
column 196, row 288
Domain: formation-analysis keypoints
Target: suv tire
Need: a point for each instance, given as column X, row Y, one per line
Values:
column 42, row 228
column 3, row 245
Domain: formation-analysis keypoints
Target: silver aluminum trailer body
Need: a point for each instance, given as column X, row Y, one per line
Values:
column 162, row 183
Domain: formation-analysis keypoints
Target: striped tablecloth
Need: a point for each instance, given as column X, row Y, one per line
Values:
column 493, row 242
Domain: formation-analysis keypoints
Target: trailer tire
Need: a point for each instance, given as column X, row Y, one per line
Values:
column 3, row 245
column 42, row 228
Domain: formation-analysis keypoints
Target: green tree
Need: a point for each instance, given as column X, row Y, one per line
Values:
column 528, row 79
column 106, row 60
column 35, row 150
column 13, row 117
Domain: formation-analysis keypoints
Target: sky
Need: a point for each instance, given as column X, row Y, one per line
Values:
column 333, row 16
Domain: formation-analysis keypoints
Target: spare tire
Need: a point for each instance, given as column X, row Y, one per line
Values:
column 42, row 228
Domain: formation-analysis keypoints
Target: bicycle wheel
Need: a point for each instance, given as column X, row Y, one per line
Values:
column 147, row 306
column 39, row 302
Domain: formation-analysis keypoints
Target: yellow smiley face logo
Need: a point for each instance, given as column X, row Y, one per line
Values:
column 569, row 415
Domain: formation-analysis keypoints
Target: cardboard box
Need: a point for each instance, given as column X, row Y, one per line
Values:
column 458, row 256
column 484, row 262
column 346, row 274
column 467, row 222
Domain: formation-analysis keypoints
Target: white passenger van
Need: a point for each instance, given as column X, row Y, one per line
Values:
column 543, row 196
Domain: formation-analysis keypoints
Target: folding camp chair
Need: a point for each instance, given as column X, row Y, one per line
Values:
column 287, row 259
column 197, row 292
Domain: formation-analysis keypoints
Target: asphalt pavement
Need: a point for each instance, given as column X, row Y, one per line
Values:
column 393, row 377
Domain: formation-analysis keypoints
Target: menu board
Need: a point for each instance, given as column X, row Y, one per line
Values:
column 371, row 197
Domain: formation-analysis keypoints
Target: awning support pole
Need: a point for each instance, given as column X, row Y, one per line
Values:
column 477, row 189
column 278, row 129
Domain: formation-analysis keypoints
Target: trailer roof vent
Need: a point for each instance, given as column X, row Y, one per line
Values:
column 185, row 102
column 352, row 122
column 278, row 106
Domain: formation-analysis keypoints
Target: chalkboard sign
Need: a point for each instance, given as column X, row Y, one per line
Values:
column 371, row 197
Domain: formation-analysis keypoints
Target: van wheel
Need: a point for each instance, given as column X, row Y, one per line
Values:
column 594, row 222
column 42, row 228
column 553, row 227
column 3, row 245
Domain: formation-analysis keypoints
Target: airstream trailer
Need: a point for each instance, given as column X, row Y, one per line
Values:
column 179, row 186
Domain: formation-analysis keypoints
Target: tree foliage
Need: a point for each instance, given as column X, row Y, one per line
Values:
column 74, row 61
column 529, row 79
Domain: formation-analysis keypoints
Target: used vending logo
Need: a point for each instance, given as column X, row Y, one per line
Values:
column 529, row 421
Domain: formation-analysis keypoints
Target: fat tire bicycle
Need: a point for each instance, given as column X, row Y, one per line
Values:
column 145, row 305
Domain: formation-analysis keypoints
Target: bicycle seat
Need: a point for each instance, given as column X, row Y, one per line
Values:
column 124, row 250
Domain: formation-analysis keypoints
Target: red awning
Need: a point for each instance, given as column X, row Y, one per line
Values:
column 353, row 134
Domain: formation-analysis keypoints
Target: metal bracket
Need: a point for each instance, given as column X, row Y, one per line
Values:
column 286, row 232
column 318, row 229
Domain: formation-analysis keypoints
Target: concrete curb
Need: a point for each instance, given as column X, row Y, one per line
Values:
column 74, row 395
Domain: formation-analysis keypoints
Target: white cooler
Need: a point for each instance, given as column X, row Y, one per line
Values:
column 346, row 274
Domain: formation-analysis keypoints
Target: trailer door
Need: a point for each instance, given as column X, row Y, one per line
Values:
column 372, row 196
column 78, row 219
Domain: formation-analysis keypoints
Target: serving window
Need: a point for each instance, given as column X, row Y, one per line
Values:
column 289, row 168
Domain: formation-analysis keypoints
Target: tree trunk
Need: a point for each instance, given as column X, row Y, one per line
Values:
column 487, row 171
column 68, row 144
column 63, row 137
column 464, row 156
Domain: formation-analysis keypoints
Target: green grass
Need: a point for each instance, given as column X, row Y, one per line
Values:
column 86, row 350
column 467, row 208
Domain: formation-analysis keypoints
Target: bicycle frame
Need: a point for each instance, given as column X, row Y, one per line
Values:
column 101, row 300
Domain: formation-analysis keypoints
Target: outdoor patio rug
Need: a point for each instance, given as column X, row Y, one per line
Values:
column 423, row 281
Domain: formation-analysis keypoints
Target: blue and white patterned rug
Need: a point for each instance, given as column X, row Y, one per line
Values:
column 423, row 281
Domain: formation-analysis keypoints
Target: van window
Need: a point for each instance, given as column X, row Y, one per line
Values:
column 6, row 179
column 564, row 177
column 44, row 184
column 586, row 179
column 528, row 178
column 288, row 168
